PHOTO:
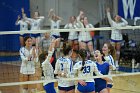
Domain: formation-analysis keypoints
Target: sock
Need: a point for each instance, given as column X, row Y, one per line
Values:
column 117, row 65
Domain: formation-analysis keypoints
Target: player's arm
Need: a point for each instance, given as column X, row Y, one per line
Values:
column 124, row 22
column 96, row 71
column 136, row 19
column 66, row 26
column 50, row 53
column 23, row 56
column 109, row 16
column 111, row 63
column 57, row 68
column 51, row 13
column 81, row 14
column 18, row 20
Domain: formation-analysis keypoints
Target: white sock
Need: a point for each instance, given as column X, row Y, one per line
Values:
column 117, row 65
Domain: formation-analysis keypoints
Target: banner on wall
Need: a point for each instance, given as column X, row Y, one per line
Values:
column 129, row 9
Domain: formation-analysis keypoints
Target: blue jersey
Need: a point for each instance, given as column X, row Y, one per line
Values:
column 101, row 83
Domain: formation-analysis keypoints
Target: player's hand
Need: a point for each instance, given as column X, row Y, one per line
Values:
column 108, row 9
column 83, row 83
column 22, row 10
column 63, row 74
column 29, row 58
column 81, row 13
column 51, row 10
column 19, row 17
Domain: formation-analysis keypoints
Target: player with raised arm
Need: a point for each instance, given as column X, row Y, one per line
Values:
column 55, row 24
column 84, row 38
column 73, row 35
column 47, row 68
column 23, row 26
column 116, row 34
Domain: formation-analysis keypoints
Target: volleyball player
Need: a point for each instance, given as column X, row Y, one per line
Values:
column 23, row 27
column 55, row 24
column 85, row 68
column 84, row 38
column 109, row 52
column 116, row 34
column 29, row 58
column 103, row 67
column 64, row 69
column 35, row 23
column 45, row 42
column 73, row 35
column 44, row 45
column 48, row 69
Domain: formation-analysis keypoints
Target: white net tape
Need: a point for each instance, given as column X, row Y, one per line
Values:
column 67, row 79
column 67, row 30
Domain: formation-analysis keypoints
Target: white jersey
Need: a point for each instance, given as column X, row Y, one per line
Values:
column 73, row 35
column 36, row 23
column 47, row 67
column 87, row 71
column 110, row 60
column 27, row 66
column 23, row 25
column 64, row 65
column 55, row 25
column 84, row 35
column 116, row 34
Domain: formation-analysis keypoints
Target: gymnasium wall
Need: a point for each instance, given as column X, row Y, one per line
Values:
column 10, row 9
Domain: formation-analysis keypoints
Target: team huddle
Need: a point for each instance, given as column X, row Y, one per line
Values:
column 83, row 67
column 69, row 67
column 78, row 57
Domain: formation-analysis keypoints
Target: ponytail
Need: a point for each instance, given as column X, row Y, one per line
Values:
column 83, row 54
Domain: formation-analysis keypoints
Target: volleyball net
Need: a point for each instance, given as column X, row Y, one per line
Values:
column 10, row 62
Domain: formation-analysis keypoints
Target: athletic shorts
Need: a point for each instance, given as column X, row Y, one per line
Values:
column 66, row 88
column 73, row 39
column 35, row 35
column 55, row 36
column 90, row 87
column 49, row 88
column 24, row 35
column 116, row 41
column 87, row 41
column 109, row 85
column 100, row 88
